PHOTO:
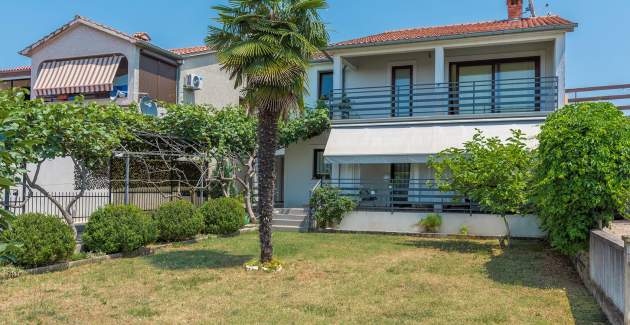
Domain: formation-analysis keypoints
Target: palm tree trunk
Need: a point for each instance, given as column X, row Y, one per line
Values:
column 267, row 142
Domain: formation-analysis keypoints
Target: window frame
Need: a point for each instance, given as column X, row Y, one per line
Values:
column 320, row 74
column 316, row 174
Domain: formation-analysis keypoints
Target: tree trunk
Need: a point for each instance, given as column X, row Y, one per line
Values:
column 508, row 235
column 267, row 142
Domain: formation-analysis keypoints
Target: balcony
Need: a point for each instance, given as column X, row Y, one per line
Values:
column 413, row 195
column 454, row 98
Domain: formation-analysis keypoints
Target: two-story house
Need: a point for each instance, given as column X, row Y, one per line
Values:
column 398, row 97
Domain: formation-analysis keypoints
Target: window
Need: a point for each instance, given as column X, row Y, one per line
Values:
column 495, row 86
column 325, row 85
column 402, row 91
column 17, row 83
column 321, row 170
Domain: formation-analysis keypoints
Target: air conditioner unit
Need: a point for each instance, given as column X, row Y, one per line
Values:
column 193, row 82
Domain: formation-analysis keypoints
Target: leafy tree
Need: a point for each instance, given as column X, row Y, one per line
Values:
column 582, row 178
column 494, row 173
column 266, row 46
column 86, row 133
column 330, row 206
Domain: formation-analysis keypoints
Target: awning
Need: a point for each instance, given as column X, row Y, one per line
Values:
column 88, row 75
column 410, row 144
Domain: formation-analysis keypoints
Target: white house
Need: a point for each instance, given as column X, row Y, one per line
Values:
column 400, row 96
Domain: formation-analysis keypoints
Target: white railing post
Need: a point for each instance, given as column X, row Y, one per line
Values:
column 626, row 278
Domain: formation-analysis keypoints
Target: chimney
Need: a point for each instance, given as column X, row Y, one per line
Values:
column 142, row 36
column 515, row 9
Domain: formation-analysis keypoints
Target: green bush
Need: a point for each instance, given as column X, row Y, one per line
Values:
column 330, row 206
column 463, row 230
column 118, row 228
column 177, row 220
column 582, row 177
column 44, row 240
column 223, row 215
column 431, row 223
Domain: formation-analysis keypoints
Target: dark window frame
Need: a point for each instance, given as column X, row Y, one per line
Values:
column 320, row 74
column 393, row 85
column 316, row 174
column 496, row 64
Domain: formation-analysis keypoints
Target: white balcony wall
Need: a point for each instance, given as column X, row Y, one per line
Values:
column 313, row 77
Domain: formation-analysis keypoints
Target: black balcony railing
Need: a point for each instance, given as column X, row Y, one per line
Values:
column 402, row 195
column 474, row 97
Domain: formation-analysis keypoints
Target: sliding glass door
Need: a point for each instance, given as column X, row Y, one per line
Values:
column 495, row 86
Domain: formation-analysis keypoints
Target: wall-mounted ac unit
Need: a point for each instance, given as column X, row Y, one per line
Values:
column 193, row 82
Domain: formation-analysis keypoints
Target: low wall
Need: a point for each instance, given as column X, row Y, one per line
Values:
column 405, row 222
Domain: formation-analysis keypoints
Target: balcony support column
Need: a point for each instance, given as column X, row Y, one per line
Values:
column 560, row 67
column 337, row 72
column 439, row 65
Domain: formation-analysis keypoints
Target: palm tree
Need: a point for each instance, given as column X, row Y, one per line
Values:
column 266, row 46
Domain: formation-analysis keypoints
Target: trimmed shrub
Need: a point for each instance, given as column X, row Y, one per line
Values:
column 582, row 178
column 223, row 216
column 177, row 220
column 118, row 228
column 44, row 239
column 330, row 206
column 431, row 223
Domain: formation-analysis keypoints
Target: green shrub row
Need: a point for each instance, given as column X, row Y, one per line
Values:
column 46, row 239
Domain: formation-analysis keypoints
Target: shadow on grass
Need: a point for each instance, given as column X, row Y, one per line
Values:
column 529, row 264
column 197, row 259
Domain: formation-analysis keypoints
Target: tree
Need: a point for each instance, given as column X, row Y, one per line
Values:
column 582, row 179
column 494, row 173
column 85, row 133
column 266, row 46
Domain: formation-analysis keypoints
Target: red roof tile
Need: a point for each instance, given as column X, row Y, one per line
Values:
column 16, row 69
column 190, row 50
column 461, row 30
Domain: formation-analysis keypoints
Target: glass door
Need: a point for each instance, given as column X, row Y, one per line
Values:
column 400, row 175
column 475, row 89
column 516, row 86
column 402, row 92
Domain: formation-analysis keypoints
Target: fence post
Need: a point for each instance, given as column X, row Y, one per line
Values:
column 6, row 199
column 626, row 280
column 127, row 162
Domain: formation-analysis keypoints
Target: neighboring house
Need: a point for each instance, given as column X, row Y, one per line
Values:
column 398, row 97
column 87, row 58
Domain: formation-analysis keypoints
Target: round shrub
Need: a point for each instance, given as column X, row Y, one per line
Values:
column 330, row 206
column 44, row 240
column 177, row 221
column 118, row 228
column 582, row 178
column 223, row 215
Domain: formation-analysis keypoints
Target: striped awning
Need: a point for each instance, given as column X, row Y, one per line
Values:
column 78, row 76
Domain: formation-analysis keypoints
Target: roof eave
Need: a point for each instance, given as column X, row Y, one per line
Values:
column 158, row 50
column 566, row 28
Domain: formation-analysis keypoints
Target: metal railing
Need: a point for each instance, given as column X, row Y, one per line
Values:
column 402, row 195
column 474, row 97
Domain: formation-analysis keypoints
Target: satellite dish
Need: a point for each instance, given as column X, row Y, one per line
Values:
column 148, row 106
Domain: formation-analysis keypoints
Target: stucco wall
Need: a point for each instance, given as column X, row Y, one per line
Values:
column 298, row 170
column 312, row 80
column 56, row 175
column 217, row 90
column 478, row 224
column 80, row 41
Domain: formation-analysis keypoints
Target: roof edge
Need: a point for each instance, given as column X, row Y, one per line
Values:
column 567, row 27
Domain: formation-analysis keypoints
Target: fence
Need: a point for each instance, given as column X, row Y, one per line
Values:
column 609, row 269
column 147, row 199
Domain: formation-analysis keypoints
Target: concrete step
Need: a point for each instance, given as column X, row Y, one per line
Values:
column 297, row 217
column 292, row 211
column 288, row 228
column 288, row 222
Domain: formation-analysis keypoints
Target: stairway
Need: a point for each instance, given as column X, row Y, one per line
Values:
column 290, row 219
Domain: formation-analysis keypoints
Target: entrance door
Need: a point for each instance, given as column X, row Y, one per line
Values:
column 402, row 91
column 400, row 175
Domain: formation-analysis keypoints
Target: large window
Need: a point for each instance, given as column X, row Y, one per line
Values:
column 321, row 170
column 495, row 86
column 17, row 83
column 325, row 85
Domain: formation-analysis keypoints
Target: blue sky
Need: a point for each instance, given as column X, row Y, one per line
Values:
column 598, row 51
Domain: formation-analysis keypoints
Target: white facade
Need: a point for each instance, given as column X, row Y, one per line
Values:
column 217, row 89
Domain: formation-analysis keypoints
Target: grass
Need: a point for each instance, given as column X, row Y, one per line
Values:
column 328, row 278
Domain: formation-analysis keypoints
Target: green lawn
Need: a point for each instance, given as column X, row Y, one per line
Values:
column 328, row 278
